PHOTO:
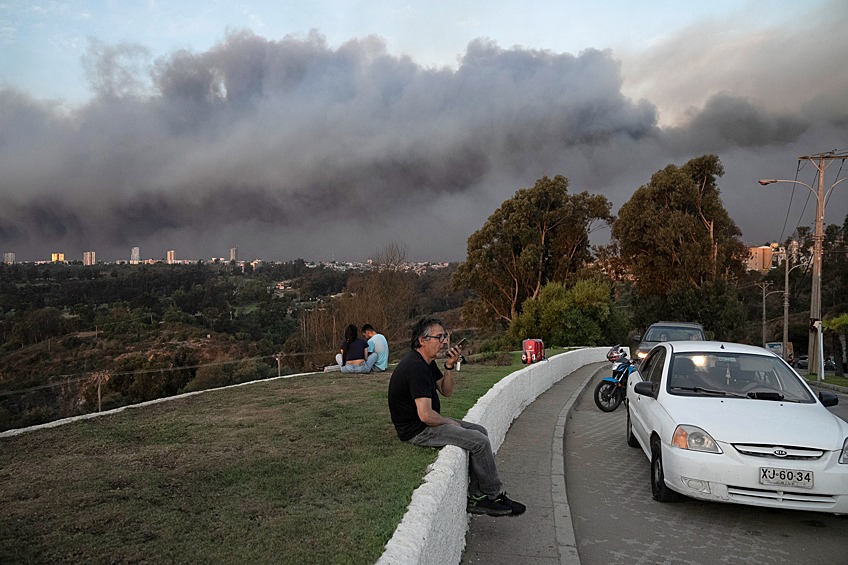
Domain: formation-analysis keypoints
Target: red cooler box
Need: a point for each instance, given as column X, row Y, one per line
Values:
column 532, row 350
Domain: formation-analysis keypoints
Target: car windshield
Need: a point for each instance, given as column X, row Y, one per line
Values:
column 672, row 333
column 733, row 375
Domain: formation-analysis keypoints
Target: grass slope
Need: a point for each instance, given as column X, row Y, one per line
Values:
column 301, row 470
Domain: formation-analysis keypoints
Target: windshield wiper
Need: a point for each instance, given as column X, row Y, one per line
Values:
column 703, row 390
column 755, row 395
column 765, row 395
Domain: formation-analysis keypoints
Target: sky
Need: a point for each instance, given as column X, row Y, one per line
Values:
column 332, row 129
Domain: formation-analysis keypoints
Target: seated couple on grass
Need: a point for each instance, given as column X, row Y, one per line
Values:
column 358, row 356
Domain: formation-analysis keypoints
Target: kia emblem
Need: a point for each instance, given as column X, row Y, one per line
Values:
column 779, row 452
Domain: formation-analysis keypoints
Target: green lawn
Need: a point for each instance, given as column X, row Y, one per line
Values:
column 830, row 379
column 300, row 470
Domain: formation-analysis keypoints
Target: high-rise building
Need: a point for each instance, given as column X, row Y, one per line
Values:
column 57, row 257
column 135, row 256
column 9, row 257
column 170, row 257
column 233, row 253
column 89, row 258
column 759, row 258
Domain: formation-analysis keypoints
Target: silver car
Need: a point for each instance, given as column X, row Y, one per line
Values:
column 667, row 331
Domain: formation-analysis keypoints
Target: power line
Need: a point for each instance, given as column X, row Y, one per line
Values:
column 79, row 377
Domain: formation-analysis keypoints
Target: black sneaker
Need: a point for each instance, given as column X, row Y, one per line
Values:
column 484, row 505
column 517, row 507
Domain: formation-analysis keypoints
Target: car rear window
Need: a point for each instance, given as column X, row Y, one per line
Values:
column 672, row 333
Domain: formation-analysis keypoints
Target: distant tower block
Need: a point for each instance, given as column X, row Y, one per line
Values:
column 135, row 257
column 234, row 253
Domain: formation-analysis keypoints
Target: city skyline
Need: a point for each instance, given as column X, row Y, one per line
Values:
column 135, row 255
column 759, row 255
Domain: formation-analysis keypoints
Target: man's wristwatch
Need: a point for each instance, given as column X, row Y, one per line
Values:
column 448, row 368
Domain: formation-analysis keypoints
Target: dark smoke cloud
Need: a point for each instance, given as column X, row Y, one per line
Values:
column 292, row 149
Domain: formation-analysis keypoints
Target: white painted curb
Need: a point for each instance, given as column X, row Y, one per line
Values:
column 434, row 526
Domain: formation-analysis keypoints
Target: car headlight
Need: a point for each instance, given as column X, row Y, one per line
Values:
column 695, row 439
column 844, row 457
column 641, row 354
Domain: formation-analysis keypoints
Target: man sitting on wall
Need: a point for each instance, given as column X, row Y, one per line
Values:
column 414, row 390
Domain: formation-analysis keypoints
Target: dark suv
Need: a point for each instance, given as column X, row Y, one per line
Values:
column 668, row 331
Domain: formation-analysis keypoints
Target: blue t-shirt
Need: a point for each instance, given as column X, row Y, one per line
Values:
column 378, row 344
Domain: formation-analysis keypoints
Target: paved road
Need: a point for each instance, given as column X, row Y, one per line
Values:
column 617, row 521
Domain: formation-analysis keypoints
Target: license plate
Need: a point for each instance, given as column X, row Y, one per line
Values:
column 786, row 477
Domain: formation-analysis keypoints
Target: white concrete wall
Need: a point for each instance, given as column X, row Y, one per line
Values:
column 434, row 526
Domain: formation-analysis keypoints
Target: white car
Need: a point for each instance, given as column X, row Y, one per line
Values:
column 735, row 423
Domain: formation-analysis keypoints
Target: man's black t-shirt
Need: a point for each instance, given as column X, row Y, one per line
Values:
column 412, row 378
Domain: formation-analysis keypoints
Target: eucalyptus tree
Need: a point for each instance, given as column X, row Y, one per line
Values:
column 683, row 249
column 540, row 235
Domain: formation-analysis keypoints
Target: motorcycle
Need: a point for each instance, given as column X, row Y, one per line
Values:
column 611, row 391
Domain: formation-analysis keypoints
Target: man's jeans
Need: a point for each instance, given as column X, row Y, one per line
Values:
column 473, row 438
column 372, row 358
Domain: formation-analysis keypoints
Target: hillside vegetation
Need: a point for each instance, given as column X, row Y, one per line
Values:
column 77, row 338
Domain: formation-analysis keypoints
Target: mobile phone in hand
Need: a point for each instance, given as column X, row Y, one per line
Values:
column 461, row 342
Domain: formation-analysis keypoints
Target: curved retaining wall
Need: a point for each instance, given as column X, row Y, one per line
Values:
column 434, row 526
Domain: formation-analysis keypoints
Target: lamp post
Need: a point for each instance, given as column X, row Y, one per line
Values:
column 765, row 286
column 785, row 347
column 815, row 363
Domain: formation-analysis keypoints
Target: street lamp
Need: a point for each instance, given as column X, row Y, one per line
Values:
column 785, row 254
column 815, row 362
column 765, row 286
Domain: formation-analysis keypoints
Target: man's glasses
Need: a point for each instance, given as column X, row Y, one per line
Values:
column 440, row 337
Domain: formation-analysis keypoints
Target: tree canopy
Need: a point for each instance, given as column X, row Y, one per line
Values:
column 676, row 230
column 540, row 235
column 682, row 249
column 581, row 315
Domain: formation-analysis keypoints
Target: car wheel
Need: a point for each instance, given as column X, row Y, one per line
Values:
column 631, row 439
column 659, row 490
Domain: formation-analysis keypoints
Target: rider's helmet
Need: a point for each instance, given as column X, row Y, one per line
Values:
column 616, row 353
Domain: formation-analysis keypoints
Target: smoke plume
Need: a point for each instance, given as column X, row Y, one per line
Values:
column 289, row 148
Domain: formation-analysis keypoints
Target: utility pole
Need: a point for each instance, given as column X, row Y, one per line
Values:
column 764, row 286
column 820, row 161
column 786, row 306
column 815, row 362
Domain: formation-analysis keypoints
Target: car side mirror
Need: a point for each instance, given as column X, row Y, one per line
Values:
column 828, row 398
column 637, row 338
column 645, row 388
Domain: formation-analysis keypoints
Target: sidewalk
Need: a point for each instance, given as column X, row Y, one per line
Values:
column 530, row 463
